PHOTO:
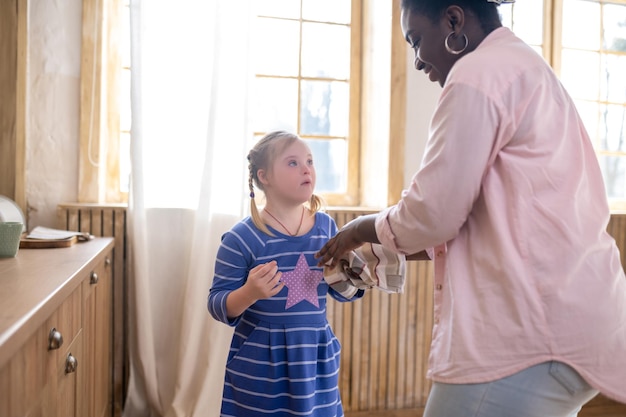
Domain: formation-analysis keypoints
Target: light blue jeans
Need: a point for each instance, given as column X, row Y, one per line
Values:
column 550, row 389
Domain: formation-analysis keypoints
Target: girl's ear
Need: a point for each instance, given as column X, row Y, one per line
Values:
column 262, row 176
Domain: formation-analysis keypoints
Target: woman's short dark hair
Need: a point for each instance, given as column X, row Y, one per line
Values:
column 486, row 12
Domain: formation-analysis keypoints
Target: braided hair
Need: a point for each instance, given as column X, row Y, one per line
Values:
column 262, row 156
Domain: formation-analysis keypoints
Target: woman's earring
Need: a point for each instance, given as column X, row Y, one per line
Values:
column 449, row 48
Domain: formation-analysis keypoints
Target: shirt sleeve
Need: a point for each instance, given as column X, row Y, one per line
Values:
column 231, row 272
column 335, row 295
column 463, row 141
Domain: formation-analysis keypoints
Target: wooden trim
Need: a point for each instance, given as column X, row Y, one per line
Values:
column 13, row 43
column 548, row 30
column 90, row 186
column 21, row 105
column 113, row 61
column 8, row 69
column 397, row 110
column 554, row 10
column 356, row 95
column 99, row 102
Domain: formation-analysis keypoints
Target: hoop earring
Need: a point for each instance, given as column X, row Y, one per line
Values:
column 452, row 51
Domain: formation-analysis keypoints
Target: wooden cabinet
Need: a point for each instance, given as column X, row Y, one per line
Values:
column 55, row 332
column 97, row 335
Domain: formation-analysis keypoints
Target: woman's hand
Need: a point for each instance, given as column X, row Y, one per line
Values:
column 351, row 236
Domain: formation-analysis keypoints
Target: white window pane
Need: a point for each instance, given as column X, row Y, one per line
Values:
column 337, row 11
column 276, row 46
column 614, row 173
column 538, row 49
column 575, row 33
column 324, row 108
column 580, row 74
column 277, row 8
column 614, row 26
column 325, row 50
column 275, row 105
column 613, row 78
column 589, row 112
column 526, row 20
column 612, row 128
column 329, row 158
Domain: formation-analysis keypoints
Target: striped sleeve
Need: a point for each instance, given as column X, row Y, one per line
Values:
column 232, row 264
column 335, row 295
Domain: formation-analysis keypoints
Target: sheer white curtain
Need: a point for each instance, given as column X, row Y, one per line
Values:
column 189, row 83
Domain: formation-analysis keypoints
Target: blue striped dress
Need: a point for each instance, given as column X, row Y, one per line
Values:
column 284, row 357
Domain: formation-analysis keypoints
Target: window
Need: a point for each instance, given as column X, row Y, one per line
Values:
column 123, row 185
column 590, row 60
column 521, row 18
column 306, row 82
column 318, row 73
column 593, row 69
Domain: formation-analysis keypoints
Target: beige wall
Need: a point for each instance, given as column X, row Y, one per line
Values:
column 52, row 126
column 422, row 95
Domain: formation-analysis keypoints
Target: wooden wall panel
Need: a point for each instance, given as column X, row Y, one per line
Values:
column 385, row 340
column 386, row 337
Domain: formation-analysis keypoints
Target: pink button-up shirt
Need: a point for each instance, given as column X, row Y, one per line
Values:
column 511, row 198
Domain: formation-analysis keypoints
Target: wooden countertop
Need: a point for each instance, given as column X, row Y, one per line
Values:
column 35, row 283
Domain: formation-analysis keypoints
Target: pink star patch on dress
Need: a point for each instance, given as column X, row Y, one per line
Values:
column 302, row 283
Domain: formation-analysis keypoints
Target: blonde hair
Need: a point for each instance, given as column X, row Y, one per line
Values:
column 262, row 156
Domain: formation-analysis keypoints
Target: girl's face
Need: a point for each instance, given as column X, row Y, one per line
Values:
column 291, row 177
column 428, row 41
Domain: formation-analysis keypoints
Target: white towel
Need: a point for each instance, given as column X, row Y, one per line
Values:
column 369, row 266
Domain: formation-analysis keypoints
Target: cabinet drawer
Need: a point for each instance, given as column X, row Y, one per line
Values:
column 97, row 335
column 67, row 320
column 28, row 382
column 70, row 393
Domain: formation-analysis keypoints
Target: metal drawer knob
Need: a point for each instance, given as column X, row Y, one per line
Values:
column 55, row 339
column 107, row 261
column 71, row 363
column 94, row 278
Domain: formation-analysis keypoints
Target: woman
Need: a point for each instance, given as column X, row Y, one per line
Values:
column 530, row 295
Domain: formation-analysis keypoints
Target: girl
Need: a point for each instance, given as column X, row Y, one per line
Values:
column 284, row 357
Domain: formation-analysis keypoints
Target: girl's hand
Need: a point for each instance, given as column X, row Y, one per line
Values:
column 264, row 281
